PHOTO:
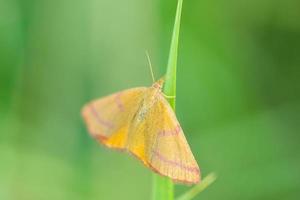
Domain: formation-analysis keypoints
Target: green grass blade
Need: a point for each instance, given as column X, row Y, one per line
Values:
column 208, row 180
column 163, row 188
column 170, row 81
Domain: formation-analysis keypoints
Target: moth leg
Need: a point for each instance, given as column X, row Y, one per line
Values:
column 169, row 97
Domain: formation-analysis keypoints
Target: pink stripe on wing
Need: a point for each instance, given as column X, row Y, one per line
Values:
column 99, row 119
column 175, row 163
column 171, row 132
column 118, row 101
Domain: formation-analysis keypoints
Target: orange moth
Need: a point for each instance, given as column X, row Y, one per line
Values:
column 141, row 122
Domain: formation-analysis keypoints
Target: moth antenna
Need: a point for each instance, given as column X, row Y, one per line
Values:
column 150, row 66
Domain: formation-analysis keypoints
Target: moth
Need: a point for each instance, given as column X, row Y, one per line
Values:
column 141, row 122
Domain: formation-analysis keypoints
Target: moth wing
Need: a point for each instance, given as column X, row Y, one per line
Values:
column 108, row 118
column 159, row 142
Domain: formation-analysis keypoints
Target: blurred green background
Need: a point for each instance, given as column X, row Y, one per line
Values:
column 238, row 94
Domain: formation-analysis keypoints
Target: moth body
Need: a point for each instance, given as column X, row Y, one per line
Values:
column 141, row 121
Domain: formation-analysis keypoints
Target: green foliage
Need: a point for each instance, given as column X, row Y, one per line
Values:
column 170, row 80
column 163, row 187
column 208, row 180
column 238, row 99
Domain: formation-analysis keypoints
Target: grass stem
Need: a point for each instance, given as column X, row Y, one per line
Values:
column 208, row 180
column 163, row 188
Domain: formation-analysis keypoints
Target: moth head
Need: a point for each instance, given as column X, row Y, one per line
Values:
column 159, row 84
